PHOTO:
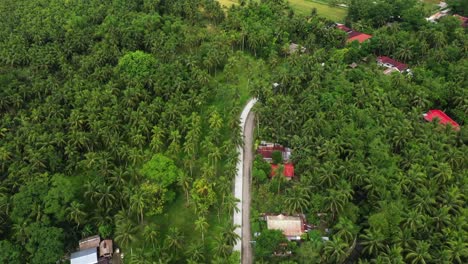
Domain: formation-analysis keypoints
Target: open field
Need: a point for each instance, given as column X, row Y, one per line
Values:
column 304, row 7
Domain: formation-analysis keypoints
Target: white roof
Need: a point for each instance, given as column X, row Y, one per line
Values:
column 87, row 256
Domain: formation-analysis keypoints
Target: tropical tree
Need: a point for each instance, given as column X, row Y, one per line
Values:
column 201, row 225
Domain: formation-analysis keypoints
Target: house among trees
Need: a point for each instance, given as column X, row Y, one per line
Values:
column 392, row 65
column 266, row 150
column 437, row 16
column 353, row 35
column 463, row 20
column 293, row 48
column 442, row 117
column 93, row 251
column 293, row 227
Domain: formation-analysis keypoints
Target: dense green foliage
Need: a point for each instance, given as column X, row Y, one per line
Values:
column 109, row 115
column 120, row 118
column 392, row 186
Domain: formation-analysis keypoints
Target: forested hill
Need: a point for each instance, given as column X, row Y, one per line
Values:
column 120, row 118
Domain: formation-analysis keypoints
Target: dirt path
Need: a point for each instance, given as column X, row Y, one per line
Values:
column 242, row 185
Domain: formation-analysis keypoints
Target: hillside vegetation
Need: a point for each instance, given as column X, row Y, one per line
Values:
column 120, row 118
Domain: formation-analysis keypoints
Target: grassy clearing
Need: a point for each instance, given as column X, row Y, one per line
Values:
column 304, row 7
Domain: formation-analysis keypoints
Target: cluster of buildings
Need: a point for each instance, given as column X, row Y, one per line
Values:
column 266, row 150
column 444, row 11
column 384, row 61
column 93, row 250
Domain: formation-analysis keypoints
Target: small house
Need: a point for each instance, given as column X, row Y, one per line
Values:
column 353, row 35
column 392, row 64
column 463, row 20
column 292, row 226
column 442, row 117
column 266, row 150
column 105, row 248
column 90, row 242
column 294, row 48
column 437, row 16
column 92, row 250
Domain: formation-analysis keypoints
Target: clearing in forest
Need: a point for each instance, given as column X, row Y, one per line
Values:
column 304, row 7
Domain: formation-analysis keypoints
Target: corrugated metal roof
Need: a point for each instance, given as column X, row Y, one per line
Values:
column 87, row 256
column 290, row 225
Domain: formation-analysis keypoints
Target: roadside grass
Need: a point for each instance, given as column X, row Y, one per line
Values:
column 304, row 7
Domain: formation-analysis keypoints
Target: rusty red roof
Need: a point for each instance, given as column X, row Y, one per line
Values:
column 287, row 172
column 343, row 27
column 360, row 37
column 464, row 20
column 443, row 118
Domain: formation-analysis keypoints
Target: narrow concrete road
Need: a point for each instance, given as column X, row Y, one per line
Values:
column 242, row 184
column 248, row 160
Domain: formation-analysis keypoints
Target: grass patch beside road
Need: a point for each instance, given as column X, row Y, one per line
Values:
column 304, row 7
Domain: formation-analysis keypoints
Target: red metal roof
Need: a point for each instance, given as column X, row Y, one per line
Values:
column 443, row 118
column 343, row 27
column 287, row 172
column 400, row 66
column 360, row 37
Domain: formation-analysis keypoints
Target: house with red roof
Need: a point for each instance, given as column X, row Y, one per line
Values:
column 288, row 170
column 266, row 150
column 392, row 65
column 353, row 35
column 463, row 20
column 442, row 117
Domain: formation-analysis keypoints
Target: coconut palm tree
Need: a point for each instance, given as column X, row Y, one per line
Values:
column 420, row 253
column 201, row 225
column 75, row 213
column 296, row 199
column 150, row 235
column 373, row 241
column 125, row 233
column 174, row 240
column 335, row 250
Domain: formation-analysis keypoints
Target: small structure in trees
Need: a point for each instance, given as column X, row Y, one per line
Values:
column 266, row 149
column 392, row 65
column 437, row 16
column 92, row 251
column 90, row 242
column 463, row 20
column 105, row 248
column 353, row 35
column 442, row 117
column 293, row 227
column 294, row 48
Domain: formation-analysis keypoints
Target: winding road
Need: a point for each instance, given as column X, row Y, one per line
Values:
column 242, row 184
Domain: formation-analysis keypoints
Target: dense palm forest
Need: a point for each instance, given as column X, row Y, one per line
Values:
column 390, row 187
column 120, row 118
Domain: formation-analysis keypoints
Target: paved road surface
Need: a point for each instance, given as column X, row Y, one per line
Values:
column 248, row 159
column 242, row 185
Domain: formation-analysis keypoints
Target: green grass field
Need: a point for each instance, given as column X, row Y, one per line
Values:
column 304, row 7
